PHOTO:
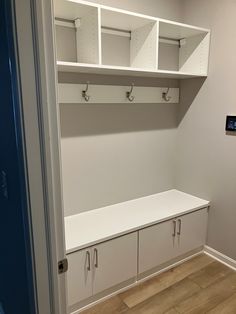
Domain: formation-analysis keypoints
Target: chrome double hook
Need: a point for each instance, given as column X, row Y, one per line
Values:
column 129, row 95
column 84, row 93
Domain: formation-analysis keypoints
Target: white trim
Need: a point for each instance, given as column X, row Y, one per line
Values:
column 32, row 263
column 52, row 155
column 139, row 281
column 32, row 122
column 220, row 257
column 35, row 40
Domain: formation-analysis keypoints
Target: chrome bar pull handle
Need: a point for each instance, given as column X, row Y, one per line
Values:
column 180, row 226
column 96, row 258
column 174, row 228
column 89, row 262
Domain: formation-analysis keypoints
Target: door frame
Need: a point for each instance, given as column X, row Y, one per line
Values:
column 37, row 77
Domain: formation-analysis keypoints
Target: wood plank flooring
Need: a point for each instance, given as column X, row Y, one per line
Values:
column 200, row 285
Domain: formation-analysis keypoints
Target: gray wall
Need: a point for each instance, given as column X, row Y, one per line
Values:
column 206, row 162
column 113, row 153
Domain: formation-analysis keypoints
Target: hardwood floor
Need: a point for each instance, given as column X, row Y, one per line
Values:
column 200, row 285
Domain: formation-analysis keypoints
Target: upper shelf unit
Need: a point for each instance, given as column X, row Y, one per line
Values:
column 93, row 38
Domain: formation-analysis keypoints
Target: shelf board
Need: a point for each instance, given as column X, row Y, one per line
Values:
column 179, row 31
column 63, row 66
column 130, row 22
column 70, row 10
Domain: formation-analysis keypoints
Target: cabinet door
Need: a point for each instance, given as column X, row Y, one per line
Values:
column 156, row 245
column 191, row 231
column 114, row 262
column 79, row 276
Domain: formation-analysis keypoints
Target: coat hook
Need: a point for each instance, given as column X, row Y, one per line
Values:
column 84, row 93
column 129, row 94
column 165, row 95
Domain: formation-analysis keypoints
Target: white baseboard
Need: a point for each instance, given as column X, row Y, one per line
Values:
column 224, row 259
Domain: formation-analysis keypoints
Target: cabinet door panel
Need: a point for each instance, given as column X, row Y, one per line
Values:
column 156, row 245
column 116, row 262
column 79, row 277
column 193, row 231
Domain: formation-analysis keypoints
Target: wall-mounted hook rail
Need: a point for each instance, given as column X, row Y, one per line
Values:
column 165, row 95
column 129, row 94
column 84, row 93
column 115, row 94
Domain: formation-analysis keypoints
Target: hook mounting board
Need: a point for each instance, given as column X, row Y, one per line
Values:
column 103, row 94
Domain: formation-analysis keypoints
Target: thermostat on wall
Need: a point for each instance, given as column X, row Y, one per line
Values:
column 230, row 123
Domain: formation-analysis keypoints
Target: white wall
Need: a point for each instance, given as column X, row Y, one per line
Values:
column 206, row 162
column 113, row 153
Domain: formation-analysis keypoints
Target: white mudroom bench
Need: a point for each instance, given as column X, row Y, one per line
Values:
column 114, row 247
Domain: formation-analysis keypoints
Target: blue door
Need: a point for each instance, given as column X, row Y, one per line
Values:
column 16, row 275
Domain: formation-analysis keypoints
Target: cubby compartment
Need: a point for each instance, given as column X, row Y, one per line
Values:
column 66, row 43
column 183, row 48
column 77, row 32
column 128, row 40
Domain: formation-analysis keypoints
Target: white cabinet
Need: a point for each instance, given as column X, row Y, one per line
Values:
column 79, row 276
column 156, row 245
column 191, row 231
column 114, row 262
column 161, row 243
column 101, row 267
column 110, row 263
